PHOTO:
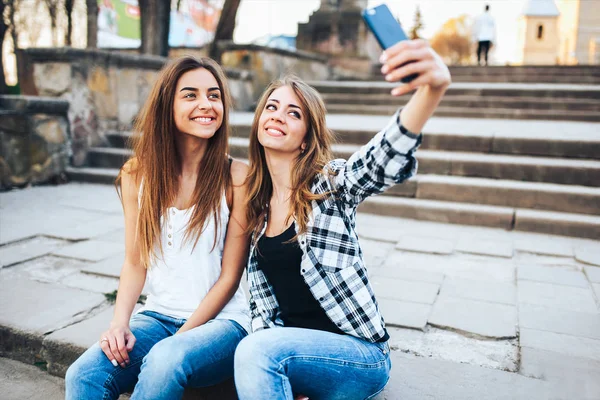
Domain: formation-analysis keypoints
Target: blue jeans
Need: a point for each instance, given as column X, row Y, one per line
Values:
column 279, row 363
column 162, row 364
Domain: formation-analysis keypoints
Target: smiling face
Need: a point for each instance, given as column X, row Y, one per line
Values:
column 283, row 124
column 198, row 104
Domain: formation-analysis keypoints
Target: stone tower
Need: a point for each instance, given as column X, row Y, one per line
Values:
column 539, row 39
column 335, row 28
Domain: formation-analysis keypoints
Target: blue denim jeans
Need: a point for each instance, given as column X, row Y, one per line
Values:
column 161, row 364
column 279, row 363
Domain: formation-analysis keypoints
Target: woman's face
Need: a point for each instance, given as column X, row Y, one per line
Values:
column 282, row 125
column 198, row 105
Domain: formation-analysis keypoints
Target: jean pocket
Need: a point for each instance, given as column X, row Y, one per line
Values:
column 384, row 347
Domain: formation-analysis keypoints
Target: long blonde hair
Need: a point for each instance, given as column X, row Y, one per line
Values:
column 311, row 162
column 157, row 163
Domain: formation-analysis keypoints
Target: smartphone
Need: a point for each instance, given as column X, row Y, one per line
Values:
column 386, row 29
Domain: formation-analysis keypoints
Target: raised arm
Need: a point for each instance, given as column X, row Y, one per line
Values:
column 119, row 339
column 235, row 255
column 388, row 158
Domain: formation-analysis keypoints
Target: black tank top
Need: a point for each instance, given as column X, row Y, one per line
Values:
column 280, row 262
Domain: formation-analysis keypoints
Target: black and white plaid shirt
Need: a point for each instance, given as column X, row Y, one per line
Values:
column 332, row 261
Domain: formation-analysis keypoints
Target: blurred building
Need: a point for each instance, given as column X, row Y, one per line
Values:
column 538, row 33
column 335, row 28
column 579, row 25
column 564, row 32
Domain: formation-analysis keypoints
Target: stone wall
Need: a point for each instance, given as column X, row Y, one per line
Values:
column 34, row 140
column 267, row 63
column 105, row 89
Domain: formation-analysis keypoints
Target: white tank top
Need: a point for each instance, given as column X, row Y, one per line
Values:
column 178, row 281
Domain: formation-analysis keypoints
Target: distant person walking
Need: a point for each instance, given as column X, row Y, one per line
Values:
column 484, row 33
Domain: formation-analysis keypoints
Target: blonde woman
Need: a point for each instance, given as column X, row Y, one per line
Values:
column 318, row 329
column 185, row 222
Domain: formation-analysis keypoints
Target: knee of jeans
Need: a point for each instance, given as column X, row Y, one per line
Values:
column 252, row 350
column 165, row 355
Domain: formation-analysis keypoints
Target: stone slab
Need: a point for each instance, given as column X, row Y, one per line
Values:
column 47, row 269
column 596, row 287
column 543, row 246
column 109, row 267
column 409, row 274
column 84, row 230
column 574, row 346
column 559, row 275
column 375, row 252
column 91, row 283
column 475, row 317
column 425, row 245
column 25, row 305
column 19, row 381
column 117, row 236
column 494, row 292
column 91, row 250
column 560, row 297
column 28, row 249
column 588, row 254
column 397, row 289
column 451, row 346
column 558, row 321
column 481, row 268
column 592, row 273
column 417, row 378
column 403, row 313
column 578, row 376
column 486, row 247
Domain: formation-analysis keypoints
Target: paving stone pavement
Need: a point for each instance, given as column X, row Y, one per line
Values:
column 472, row 312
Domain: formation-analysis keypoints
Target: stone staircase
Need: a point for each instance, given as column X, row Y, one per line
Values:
column 523, row 175
column 472, row 100
column 576, row 74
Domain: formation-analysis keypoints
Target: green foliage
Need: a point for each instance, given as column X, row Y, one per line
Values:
column 112, row 298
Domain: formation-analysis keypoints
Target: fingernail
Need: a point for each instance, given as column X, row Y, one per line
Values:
column 384, row 69
column 115, row 363
column 123, row 365
column 395, row 92
column 388, row 77
column 383, row 58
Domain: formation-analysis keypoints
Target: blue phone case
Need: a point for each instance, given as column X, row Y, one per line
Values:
column 384, row 26
column 386, row 29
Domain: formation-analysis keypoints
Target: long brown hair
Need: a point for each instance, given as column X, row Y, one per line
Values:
column 157, row 163
column 310, row 163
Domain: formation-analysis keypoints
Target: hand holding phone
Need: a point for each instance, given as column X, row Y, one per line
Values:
column 386, row 29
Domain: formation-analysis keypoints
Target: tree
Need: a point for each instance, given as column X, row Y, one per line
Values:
column 52, row 6
column 155, row 16
column 225, row 27
column 69, row 12
column 418, row 25
column 3, row 30
column 453, row 41
column 92, row 23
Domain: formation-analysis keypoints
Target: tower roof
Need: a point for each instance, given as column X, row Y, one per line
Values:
column 540, row 8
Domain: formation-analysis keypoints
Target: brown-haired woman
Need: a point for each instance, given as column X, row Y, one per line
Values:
column 185, row 222
column 306, row 273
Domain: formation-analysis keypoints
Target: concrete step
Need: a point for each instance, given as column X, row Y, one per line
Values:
column 506, row 193
column 515, row 90
column 108, row 157
column 519, row 168
column 466, row 112
column 471, row 101
column 568, row 145
column 93, row 175
column 519, row 74
column 566, row 224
